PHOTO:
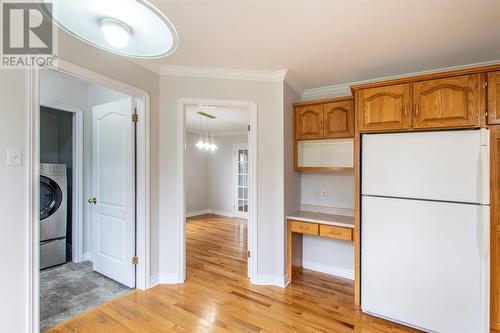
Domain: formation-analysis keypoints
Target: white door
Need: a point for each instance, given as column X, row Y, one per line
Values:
column 425, row 263
column 113, row 217
column 241, row 181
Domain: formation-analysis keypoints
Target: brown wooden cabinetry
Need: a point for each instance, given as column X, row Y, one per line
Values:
column 384, row 108
column 495, row 226
column 448, row 102
column 324, row 119
column 445, row 102
column 309, row 122
column 494, row 98
column 338, row 119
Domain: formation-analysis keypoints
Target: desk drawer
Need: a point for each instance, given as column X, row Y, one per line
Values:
column 304, row 228
column 335, row 232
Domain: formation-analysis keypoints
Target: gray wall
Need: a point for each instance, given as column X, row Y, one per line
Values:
column 269, row 99
column 196, row 176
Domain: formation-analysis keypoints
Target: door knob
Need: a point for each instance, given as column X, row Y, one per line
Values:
column 92, row 201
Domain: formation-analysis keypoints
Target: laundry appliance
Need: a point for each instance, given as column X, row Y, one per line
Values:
column 53, row 214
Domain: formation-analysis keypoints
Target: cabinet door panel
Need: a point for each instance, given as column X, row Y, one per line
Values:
column 384, row 108
column 309, row 122
column 339, row 119
column 494, row 98
column 449, row 102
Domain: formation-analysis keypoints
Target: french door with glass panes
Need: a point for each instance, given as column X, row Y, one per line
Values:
column 241, row 181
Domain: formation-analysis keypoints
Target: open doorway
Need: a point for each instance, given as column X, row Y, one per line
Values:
column 88, row 195
column 219, row 168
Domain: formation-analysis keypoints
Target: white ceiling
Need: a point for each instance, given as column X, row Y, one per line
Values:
column 326, row 42
column 227, row 121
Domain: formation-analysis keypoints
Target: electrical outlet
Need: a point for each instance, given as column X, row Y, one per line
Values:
column 324, row 195
column 308, row 193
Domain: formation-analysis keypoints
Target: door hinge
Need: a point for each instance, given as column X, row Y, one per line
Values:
column 486, row 114
column 135, row 117
column 248, row 254
column 135, row 260
column 249, row 128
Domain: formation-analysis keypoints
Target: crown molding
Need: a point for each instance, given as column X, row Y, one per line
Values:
column 345, row 89
column 223, row 73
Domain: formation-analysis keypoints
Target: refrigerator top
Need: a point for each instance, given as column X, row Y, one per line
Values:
column 450, row 166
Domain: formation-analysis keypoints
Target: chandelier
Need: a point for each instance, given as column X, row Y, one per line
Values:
column 204, row 143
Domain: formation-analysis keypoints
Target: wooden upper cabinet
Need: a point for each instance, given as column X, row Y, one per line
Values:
column 339, row 119
column 384, row 108
column 309, row 122
column 494, row 98
column 448, row 102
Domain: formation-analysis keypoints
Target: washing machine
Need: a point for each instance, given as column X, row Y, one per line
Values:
column 53, row 214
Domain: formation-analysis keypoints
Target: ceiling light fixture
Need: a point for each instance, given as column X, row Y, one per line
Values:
column 204, row 143
column 133, row 28
column 116, row 33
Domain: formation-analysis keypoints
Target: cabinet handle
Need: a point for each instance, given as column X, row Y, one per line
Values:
column 321, row 124
column 417, row 110
column 406, row 110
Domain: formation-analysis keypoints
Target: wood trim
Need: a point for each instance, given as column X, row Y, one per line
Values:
column 493, row 116
column 324, row 101
column 357, row 217
column 494, row 227
column 324, row 169
column 424, row 77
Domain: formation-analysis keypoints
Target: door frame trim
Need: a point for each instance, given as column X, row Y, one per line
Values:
column 143, row 272
column 236, row 147
column 77, row 194
column 181, row 179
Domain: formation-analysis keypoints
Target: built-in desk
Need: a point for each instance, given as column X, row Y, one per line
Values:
column 316, row 224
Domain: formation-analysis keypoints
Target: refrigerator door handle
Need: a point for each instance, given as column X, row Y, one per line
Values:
column 484, row 232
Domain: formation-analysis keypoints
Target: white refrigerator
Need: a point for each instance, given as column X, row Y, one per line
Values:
column 425, row 229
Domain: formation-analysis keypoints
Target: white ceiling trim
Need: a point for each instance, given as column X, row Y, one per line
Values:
column 294, row 83
column 223, row 73
column 341, row 90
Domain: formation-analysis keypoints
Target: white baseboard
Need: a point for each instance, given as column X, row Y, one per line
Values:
column 210, row 211
column 87, row 256
column 167, row 278
column 331, row 270
column 198, row 213
column 271, row 280
column 221, row 213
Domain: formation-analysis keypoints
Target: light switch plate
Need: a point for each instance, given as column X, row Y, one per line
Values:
column 14, row 157
column 308, row 193
column 324, row 195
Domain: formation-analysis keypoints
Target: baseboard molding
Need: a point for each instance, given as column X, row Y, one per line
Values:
column 87, row 256
column 271, row 280
column 210, row 211
column 221, row 213
column 198, row 213
column 167, row 278
column 331, row 270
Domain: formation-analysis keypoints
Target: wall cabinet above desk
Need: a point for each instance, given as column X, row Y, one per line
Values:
column 323, row 135
column 325, row 119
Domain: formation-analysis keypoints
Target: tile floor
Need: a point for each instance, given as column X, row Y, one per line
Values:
column 70, row 289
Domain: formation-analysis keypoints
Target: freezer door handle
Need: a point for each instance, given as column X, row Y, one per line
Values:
column 484, row 232
column 484, row 180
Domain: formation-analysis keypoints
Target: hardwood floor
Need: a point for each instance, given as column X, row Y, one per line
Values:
column 217, row 296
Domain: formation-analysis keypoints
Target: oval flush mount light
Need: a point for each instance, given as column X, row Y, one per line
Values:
column 116, row 33
column 132, row 28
